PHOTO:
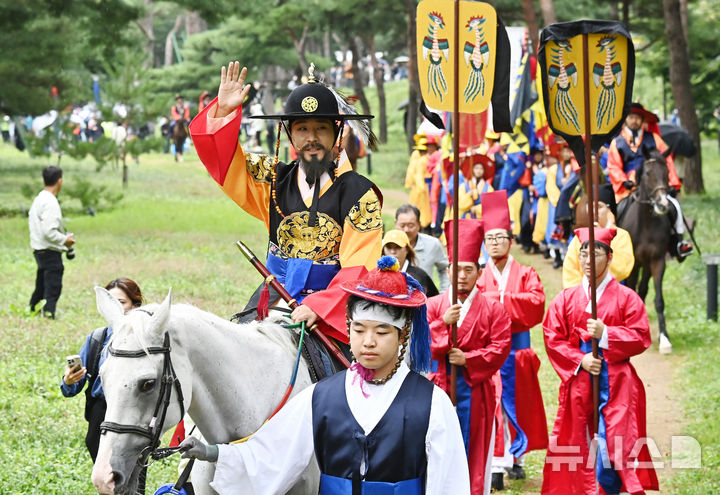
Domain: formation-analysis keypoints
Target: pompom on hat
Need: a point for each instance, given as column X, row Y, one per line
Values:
column 386, row 284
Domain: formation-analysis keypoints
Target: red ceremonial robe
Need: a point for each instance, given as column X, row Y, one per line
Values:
column 524, row 301
column 484, row 336
column 242, row 177
column 566, row 469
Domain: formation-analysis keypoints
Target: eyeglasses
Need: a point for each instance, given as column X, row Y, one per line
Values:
column 585, row 254
column 498, row 239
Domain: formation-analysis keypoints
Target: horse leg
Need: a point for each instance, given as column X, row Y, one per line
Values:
column 658, row 270
column 642, row 289
column 631, row 281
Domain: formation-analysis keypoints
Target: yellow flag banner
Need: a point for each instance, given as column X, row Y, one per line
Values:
column 478, row 49
column 608, row 76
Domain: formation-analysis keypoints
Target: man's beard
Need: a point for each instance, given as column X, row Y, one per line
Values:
column 316, row 166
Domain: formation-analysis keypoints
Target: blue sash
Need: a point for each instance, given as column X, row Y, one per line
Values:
column 331, row 485
column 507, row 375
column 606, row 476
column 633, row 160
column 298, row 275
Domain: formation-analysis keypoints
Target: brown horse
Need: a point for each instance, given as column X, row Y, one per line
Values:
column 179, row 135
column 646, row 218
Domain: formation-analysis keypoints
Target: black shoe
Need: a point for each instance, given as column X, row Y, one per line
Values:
column 517, row 472
column 497, row 482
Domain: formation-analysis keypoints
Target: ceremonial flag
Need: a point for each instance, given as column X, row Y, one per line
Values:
column 609, row 78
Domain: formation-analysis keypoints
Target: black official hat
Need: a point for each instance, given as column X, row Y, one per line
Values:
column 313, row 100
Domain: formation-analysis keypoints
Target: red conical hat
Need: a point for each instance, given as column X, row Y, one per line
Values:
column 470, row 238
column 603, row 236
column 495, row 211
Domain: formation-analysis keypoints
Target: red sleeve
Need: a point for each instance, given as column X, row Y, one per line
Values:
column 564, row 355
column 174, row 113
column 215, row 150
column 526, row 308
column 439, row 331
column 633, row 336
column 186, row 113
column 330, row 304
column 483, row 362
column 615, row 168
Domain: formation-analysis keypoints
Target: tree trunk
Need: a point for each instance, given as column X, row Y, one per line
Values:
column 380, row 85
column 194, row 23
column 411, row 120
column 326, row 44
column 626, row 12
column 300, row 45
column 548, row 12
column 614, row 12
column 146, row 26
column 684, row 19
column 531, row 21
column 682, row 91
column 358, row 75
column 169, row 48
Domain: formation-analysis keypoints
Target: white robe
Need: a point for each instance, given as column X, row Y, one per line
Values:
column 275, row 457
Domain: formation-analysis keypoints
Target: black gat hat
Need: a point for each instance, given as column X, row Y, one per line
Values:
column 317, row 101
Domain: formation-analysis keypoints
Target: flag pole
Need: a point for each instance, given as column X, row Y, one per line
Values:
column 456, row 187
column 590, row 189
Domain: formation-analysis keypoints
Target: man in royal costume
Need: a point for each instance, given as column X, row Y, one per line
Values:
column 623, row 464
column 483, row 344
column 324, row 219
column 640, row 135
column 377, row 428
column 522, row 424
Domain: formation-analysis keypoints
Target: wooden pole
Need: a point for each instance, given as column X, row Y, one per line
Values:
column 590, row 190
column 456, row 187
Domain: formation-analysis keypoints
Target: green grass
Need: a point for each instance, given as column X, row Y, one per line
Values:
column 175, row 228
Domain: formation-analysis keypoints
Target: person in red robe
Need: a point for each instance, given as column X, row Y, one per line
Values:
column 520, row 291
column 324, row 219
column 483, row 344
column 623, row 462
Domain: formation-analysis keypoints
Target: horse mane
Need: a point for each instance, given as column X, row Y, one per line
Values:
column 135, row 322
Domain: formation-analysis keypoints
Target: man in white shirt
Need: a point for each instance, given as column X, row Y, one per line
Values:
column 48, row 240
column 378, row 427
column 429, row 251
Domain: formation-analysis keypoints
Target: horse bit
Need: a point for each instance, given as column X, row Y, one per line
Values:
column 154, row 429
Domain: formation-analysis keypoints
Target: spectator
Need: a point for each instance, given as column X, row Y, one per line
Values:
column 48, row 240
column 92, row 355
column 428, row 250
column 397, row 244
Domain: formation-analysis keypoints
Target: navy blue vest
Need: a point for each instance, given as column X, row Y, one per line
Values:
column 633, row 160
column 394, row 452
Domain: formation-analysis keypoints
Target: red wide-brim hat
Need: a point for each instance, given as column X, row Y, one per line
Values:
column 386, row 284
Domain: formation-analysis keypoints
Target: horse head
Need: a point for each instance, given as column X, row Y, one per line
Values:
column 138, row 377
column 654, row 181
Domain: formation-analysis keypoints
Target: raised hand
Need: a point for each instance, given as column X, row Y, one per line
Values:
column 233, row 90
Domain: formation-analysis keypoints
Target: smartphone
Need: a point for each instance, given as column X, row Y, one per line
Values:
column 73, row 361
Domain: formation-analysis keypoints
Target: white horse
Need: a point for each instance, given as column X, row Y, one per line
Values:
column 231, row 376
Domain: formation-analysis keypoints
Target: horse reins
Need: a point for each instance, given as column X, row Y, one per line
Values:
column 169, row 378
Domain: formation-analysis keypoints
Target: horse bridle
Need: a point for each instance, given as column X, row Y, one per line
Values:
column 651, row 195
column 169, row 378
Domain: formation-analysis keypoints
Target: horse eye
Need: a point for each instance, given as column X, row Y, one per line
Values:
column 147, row 385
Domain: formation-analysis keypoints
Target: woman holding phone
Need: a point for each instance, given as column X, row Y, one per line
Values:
column 128, row 293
